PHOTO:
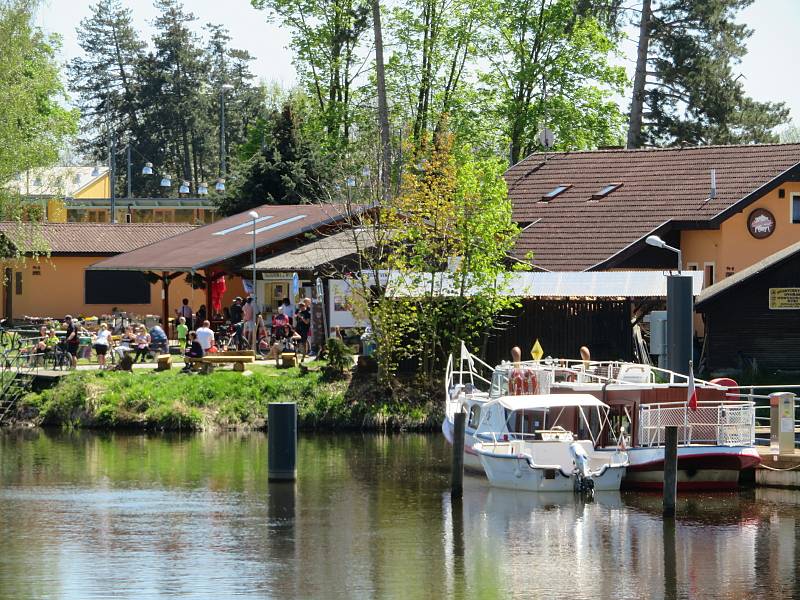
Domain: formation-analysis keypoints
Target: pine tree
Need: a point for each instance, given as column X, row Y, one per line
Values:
column 685, row 90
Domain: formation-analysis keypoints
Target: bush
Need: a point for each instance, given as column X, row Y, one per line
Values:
column 339, row 358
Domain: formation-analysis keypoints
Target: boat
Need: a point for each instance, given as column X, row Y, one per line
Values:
column 547, row 457
column 716, row 438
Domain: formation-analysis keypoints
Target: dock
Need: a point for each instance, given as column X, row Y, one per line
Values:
column 778, row 470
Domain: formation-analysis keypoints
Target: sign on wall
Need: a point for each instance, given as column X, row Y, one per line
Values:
column 761, row 223
column 784, row 298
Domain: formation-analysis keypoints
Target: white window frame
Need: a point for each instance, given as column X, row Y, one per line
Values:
column 713, row 266
column 792, row 197
column 689, row 266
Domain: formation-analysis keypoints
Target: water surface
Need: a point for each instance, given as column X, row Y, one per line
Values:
column 131, row 516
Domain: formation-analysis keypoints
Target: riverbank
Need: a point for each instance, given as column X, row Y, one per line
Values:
column 224, row 399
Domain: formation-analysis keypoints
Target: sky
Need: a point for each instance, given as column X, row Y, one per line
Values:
column 767, row 69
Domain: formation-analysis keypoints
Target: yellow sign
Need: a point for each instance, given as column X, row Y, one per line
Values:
column 536, row 352
column 784, row 298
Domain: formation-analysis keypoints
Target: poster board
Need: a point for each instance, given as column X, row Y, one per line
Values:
column 784, row 298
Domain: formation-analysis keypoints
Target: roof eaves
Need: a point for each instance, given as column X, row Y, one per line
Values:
column 739, row 205
column 628, row 250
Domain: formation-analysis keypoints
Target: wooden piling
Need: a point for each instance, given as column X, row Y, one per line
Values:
column 457, row 473
column 670, row 469
column 282, row 441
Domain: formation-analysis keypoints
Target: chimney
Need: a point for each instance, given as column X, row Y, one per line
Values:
column 713, row 193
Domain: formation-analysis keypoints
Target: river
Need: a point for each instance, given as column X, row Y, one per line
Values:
column 86, row 515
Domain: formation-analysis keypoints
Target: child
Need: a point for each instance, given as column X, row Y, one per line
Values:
column 182, row 330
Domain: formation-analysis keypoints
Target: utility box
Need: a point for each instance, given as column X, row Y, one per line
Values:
column 781, row 422
column 658, row 335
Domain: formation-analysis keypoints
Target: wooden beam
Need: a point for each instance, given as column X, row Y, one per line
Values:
column 165, row 281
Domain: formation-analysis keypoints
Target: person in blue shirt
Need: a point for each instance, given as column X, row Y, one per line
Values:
column 158, row 339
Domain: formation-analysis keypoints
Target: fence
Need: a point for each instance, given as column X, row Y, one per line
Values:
column 722, row 424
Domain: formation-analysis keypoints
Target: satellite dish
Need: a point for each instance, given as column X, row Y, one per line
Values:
column 546, row 137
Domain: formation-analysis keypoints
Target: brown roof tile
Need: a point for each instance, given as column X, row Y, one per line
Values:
column 89, row 238
column 574, row 232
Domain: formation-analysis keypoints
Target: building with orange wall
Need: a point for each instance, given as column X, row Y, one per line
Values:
column 58, row 282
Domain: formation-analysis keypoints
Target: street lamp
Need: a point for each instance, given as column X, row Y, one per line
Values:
column 220, row 185
column 657, row 242
column 184, row 189
column 202, row 189
column 254, row 215
column 166, row 181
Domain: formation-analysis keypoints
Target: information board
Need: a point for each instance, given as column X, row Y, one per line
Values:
column 784, row 298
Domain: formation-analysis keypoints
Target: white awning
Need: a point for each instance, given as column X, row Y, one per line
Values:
column 546, row 401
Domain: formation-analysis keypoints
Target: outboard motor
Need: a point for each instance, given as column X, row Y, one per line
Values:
column 583, row 476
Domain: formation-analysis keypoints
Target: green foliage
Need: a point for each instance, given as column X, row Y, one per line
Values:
column 278, row 164
column 338, row 357
column 34, row 125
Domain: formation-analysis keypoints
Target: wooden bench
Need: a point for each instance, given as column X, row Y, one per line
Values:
column 163, row 362
column 206, row 364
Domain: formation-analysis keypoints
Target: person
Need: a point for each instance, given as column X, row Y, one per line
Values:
column 288, row 310
column 101, row 344
column 158, row 339
column 205, row 336
column 126, row 342
column 262, row 336
column 193, row 350
column 200, row 316
column 248, row 315
column 142, row 344
column 71, row 340
column 304, row 325
column 182, row 330
column 236, row 311
column 185, row 310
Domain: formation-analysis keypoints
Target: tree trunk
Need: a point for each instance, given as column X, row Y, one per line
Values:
column 383, row 107
column 640, row 78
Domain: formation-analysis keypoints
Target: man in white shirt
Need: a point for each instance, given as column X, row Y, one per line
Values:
column 205, row 336
column 288, row 310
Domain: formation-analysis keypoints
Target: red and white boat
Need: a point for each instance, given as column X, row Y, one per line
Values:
column 716, row 437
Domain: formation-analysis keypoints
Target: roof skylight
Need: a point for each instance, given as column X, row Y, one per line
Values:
column 555, row 192
column 606, row 191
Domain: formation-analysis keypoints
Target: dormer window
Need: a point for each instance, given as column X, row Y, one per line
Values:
column 77, row 178
column 555, row 192
column 606, row 191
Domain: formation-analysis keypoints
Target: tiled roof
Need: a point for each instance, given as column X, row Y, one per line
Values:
column 574, row 232
column 89, row 238
column 315, row 254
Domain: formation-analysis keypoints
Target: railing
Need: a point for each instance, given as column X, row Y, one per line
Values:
column 728, row 423
column 17, row 363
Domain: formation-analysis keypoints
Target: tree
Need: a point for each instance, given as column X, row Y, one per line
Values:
column 549, row 67
column 327, row 37
column 685, row 91
column 34, row 125
column 277, row 165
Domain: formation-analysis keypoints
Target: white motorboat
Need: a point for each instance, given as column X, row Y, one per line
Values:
column 716, row 439
column 548, row 457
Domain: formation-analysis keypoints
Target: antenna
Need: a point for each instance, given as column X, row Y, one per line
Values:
column 713, row 193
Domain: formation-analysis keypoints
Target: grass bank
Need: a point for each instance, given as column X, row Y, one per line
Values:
column 225, row 399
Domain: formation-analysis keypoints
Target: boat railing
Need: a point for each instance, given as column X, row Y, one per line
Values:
column 726, row 423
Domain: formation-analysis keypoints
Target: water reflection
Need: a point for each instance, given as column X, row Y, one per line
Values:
column 88, row 516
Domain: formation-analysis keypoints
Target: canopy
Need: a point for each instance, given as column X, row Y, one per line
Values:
column 545, row 401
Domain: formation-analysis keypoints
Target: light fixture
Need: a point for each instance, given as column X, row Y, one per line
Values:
column 253, row 214
column 184, row 189
column 147, row 169
column 96, row 171
column 227, row 86
column 654, row 240
column 365, row 172
column 351, row 181
column 202, row 189
column 166, row 181
column 220, row 185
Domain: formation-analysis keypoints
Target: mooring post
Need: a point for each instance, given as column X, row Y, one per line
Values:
column 457, row 474
column 282, row 441
column 670, row 469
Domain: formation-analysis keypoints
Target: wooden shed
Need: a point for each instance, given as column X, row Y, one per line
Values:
column 753, row 317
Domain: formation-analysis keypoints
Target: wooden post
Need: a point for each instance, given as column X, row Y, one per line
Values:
column 670, row 560
column 209, row 311
column 282, row 441
column 165, row 280
column 457, row 473
column 670, row 469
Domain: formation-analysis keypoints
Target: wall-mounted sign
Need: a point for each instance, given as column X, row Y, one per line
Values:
column 761, row 223
column 784, row 298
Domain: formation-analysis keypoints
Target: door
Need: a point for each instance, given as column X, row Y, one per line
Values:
column 8, row 294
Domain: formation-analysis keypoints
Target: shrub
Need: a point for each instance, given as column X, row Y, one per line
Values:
column 339, row 358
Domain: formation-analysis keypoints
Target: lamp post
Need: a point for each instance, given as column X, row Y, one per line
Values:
column 220, row 186
column 254, row 215
column 112, row 165
column 680, row 311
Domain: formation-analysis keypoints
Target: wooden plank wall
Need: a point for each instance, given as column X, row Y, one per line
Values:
column 740, row 324
column 562, row 327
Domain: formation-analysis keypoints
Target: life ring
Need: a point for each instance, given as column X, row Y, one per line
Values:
column 531, row 382
column 517, row 384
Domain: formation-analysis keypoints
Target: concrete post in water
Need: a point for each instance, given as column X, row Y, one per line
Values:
column 457, row 473
column 282, row 441
column 680, row 325
column 781, row 422
column 670, row 469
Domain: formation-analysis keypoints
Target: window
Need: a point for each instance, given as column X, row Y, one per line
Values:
column 116, row 287
column 18, row 283
column 691, row 266
column 553, row 193
column 708, row 274
column 474, row 416
column 606, row 191
column 795, row 208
